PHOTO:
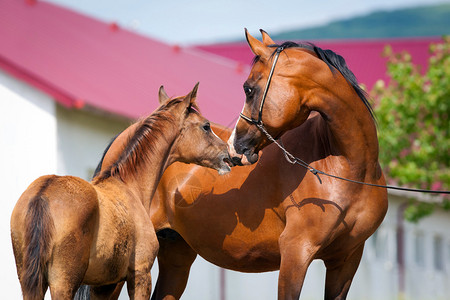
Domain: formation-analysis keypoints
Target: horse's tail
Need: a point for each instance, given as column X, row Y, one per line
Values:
column 83, row 293
column 38, row 234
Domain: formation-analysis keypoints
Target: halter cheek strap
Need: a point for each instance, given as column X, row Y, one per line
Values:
column 261, row 105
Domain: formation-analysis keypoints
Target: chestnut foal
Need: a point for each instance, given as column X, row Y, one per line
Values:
column 66, row 231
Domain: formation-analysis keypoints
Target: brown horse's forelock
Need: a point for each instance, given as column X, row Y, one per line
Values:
column 141, row 145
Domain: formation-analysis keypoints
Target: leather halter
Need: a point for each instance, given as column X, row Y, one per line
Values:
column 259, row 122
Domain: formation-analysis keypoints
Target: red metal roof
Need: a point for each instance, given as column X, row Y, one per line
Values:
column 81, row 61
column 364, row 57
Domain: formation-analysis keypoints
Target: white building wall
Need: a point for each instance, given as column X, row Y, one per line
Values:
column 82, row 137
column 28, row 150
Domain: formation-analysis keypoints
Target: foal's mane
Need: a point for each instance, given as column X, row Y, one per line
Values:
column 141, row 145
column 335, row 62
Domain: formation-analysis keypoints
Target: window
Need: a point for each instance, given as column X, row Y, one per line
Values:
column 438, row 253
column 419, row 249
column 380, row 243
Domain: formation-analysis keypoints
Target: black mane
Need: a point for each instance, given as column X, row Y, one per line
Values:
column 335, row 62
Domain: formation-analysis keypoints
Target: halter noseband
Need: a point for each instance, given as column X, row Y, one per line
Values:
column 259, row 122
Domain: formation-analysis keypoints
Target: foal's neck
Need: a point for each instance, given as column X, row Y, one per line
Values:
column 148, row 164
column 145, row 181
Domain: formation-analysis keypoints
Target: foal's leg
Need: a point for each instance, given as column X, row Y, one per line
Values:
column 67, row 269
column 70, row 260
column 175, row 258
column 139, row 280
column 340, row 274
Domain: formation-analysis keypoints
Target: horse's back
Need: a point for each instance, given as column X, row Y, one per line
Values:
column 65, row 195
column 68, row 200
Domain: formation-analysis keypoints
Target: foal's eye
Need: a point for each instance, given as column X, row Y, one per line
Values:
column 207, row 127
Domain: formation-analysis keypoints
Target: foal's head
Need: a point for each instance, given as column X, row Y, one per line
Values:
column 176, row 124
column 196, row 142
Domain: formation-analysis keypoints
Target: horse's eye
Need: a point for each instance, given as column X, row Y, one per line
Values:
column 207, row 127
column 248, row 90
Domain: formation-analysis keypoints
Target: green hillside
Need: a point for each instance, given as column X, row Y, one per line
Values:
column 418, row 21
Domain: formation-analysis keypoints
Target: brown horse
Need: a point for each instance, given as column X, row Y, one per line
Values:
column 66, row 231
column 287, row 82
column 274, row 215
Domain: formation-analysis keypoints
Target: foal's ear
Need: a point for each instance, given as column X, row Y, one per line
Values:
column 163, row 97
column 257, row 47
column 189, row 100
column 267, row 41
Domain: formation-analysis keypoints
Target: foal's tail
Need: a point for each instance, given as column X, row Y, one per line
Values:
column 38, row 234
column 83, row 293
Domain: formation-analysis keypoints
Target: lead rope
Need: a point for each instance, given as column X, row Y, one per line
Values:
column 295, row 160
column 291, row 158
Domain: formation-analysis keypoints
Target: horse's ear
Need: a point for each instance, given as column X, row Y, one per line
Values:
column 267, row 41
column 163, row 97
column 190, row 98
column 257, row 47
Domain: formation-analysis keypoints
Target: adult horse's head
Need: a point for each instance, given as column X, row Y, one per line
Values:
column 285, row 84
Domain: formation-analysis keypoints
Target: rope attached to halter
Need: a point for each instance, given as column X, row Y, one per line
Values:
column 289, row 157
column 295, row 160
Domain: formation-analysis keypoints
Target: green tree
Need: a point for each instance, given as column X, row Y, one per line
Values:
column 413, row 124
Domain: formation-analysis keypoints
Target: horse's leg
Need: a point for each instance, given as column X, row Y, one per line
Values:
column 70, row 258
column 139, row 284
column 340, row 272
column 296, row 256
column 139, row 279
column 175, row 259
column 308, row 225
column 115, row 295
column 66, row 275
column 69, row 264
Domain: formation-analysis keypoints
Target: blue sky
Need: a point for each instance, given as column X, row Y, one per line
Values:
column 189, row 22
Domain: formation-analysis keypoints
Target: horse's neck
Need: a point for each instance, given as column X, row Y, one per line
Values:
column 143, row 181
column 351, row 132
column 147, row 178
